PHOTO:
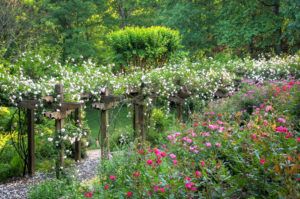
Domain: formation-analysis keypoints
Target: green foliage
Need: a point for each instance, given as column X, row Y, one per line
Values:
column 11, row 164
column 53, row 189
column 144, row 47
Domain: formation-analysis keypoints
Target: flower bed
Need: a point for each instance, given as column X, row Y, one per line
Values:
column 223, row 155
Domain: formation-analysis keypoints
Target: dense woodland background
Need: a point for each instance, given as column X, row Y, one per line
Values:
column 78, row 28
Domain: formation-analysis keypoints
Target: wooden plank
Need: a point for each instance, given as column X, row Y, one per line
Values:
column 31, row 142
column 29, row 104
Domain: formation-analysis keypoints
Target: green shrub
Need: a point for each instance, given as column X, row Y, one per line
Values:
column 143, row 47
column 11, row 164
column 53, row 189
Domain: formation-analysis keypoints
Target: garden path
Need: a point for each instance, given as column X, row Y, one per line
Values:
column 18, row 188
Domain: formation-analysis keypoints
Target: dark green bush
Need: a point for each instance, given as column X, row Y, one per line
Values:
column 143, row 47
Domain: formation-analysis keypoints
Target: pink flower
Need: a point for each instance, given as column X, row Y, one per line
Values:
column 220, row 122
column 218, row 144
column 268, row 108
column 88, row 194
column 149, row 162
column 208, row 144
column 262, row 161
column 155, row 188
column 266, row 123
column 129, row 194
column 281, row 120
column 161, row 189
column 112, row 178
column 106, row 187
column 198, row 174
column 253, row 136
column 174, row 162
column 202, row 163
column 213, row 126
column 173, row 156
column 281, row 129
column 205, row 134
column 221, row 129
column 298, row 139
column 171, row 137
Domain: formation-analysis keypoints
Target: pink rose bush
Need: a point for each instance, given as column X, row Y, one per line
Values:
column 248, row 153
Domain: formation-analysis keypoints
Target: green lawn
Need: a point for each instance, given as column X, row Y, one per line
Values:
column 119, row 123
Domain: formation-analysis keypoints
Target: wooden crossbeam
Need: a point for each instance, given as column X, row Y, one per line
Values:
column 176, row 99
column 28, row 104
column 110, row 98
column 58, row 115
column 104, row 106
column 70, row 105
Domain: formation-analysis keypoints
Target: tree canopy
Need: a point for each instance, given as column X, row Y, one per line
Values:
column 78, row 29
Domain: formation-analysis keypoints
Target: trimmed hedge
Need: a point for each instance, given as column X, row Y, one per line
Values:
column 143, row 47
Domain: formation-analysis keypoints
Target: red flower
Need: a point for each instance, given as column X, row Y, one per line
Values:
column 106, row 187
column 149, row 162
column 129, row 194
column 136, row 174
column 198, row 174
column 262, row 161
column 88, row 194
column 158, row 161
column 298, row 139
column 112, row 178
column 163, row 154
column 195, row 124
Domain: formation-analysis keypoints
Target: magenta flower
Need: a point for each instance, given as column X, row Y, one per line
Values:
column 198, row 174
column 281, row 129
column 113, row 178
column 149, row 162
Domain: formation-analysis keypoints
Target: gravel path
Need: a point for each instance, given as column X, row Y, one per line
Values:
column 17, row 189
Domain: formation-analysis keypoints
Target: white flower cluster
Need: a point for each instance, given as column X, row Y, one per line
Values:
column 201, row 79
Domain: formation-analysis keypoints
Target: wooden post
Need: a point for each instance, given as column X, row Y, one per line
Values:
column 58, row 127
column 77, row 154
column 103, row 131
column 135, row 119
column 179, row 108
column 141, row 121
column 31, row 142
